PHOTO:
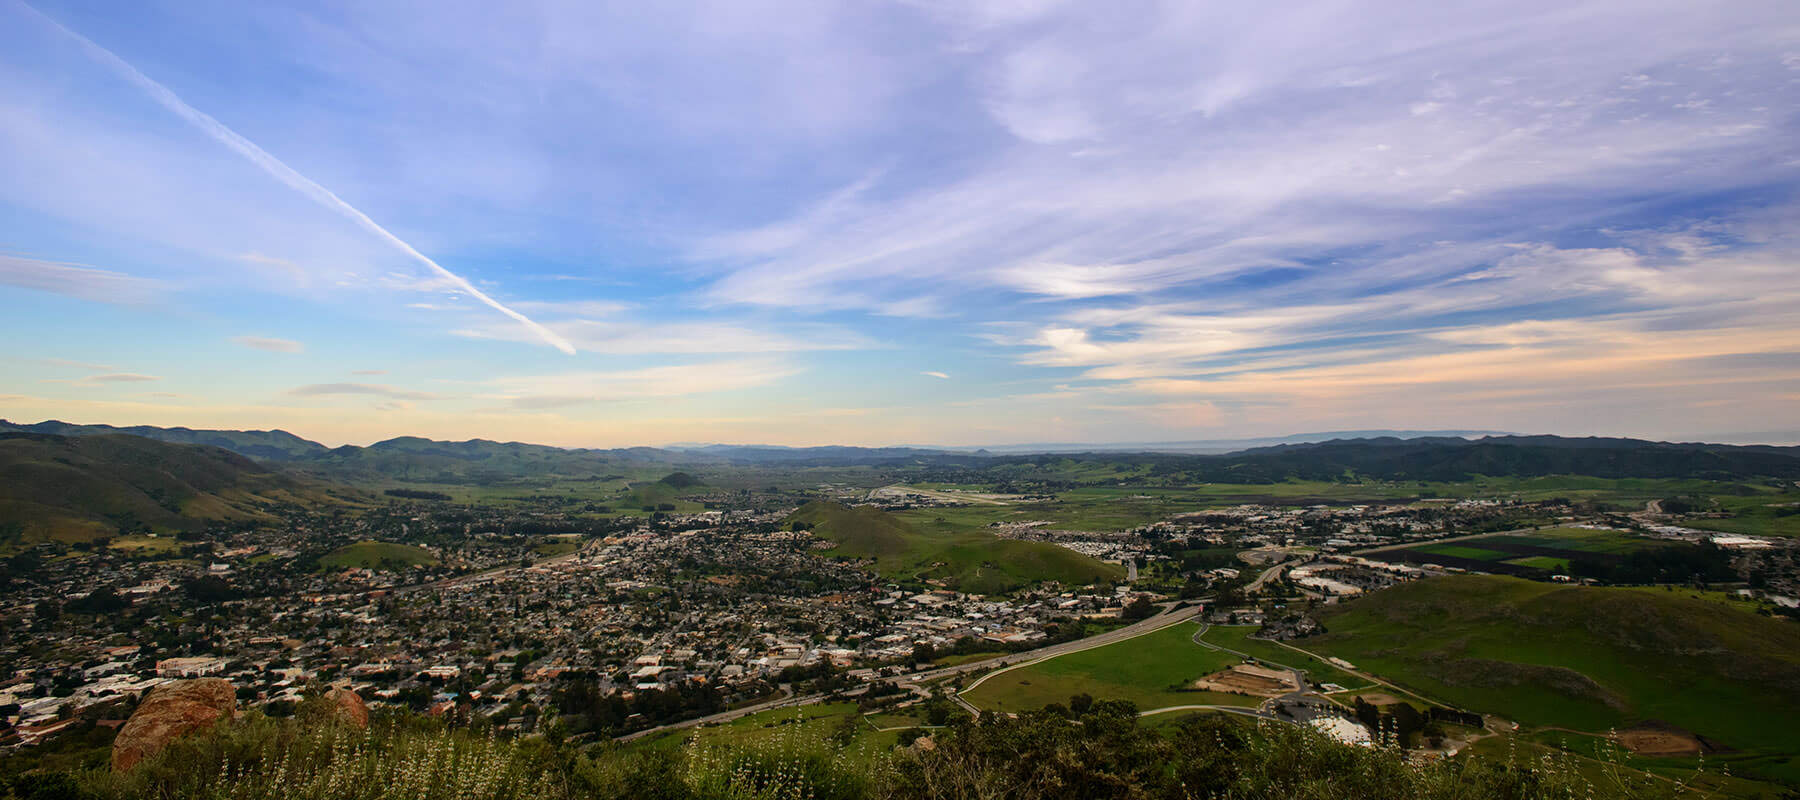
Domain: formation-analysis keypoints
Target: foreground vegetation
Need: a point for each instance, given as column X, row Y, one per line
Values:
column 1103, row 753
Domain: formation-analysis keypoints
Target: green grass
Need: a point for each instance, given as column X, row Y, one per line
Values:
column 930, row 545
column 377, row 555
column 1574, row 541
column 893, row 720
column 1588, row 659
column 964, row 658
column 1464, row 551
column 1541, row 562
column 807, row 728
column 1237, row 637
column 1148, row 670
column 557, row 547
column 1594, row 760
column 146, row 544
column 1755, row 515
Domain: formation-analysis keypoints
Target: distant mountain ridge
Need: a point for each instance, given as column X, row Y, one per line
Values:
column 96, row 485
column 273, row 445
column 1443, row 455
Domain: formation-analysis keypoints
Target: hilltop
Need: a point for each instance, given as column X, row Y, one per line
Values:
column 1586, row 658
column 273, row 445
column 971, row 560
column 78, row 488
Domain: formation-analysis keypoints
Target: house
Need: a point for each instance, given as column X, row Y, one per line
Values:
column 189, row 667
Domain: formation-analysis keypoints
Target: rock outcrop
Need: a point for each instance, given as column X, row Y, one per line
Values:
column 348, row 706
column 170, row 712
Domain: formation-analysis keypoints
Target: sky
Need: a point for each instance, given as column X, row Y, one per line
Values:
column 608, row 224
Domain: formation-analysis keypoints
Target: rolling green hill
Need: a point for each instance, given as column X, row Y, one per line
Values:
column 76, row 488
column 1588, row 659
column 970, row 560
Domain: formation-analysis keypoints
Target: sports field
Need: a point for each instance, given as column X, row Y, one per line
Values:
column 1152, row 670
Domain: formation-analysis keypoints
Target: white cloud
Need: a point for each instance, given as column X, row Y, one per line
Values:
column 935, row 374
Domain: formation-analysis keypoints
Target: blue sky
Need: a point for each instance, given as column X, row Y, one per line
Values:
column 911, row 222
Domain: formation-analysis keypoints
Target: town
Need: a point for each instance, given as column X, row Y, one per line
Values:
column 510, row 614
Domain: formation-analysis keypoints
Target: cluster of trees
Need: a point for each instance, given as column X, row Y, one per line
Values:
column 1704, row 563
column 417, row 494
column 586, row 708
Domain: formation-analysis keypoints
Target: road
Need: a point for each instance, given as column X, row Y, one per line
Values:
column 1417, row 542
column 1266, row 576
column 913, row 680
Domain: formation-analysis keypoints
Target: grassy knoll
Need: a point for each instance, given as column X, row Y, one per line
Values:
column 1588, row 659
column 1149, row 670
column 377, row 555
column 972, row 559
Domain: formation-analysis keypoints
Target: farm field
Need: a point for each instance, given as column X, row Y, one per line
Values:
column 1526, row 553
column 377, row 555
column 1587, row 659
column 1148, row 670
column 1755, row 515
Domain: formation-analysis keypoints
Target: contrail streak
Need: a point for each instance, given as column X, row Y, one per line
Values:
column 286, row 174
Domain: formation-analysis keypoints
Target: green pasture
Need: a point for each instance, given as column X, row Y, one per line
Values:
column 1151, row 670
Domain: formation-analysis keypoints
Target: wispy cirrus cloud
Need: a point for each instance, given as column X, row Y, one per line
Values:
column 79, row 281
column 367, row 389
column 106, row 379
column 279, row 170
column 563, row 390
column 270, row 344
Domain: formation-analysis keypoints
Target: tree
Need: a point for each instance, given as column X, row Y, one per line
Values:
column 923, row 653
column 1080, row 704
column 1140, row 608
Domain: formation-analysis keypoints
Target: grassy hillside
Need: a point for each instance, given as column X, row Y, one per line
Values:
column 91, row 487
column 377, row 555
column 972, row 560
column 1588, row 659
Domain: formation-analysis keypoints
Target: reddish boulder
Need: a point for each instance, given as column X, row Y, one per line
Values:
column 348, row 706
column 170, row 712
